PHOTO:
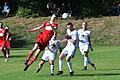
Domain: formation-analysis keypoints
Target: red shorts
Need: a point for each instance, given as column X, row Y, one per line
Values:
column 44, row 38
column 8, row 45
column 2, row 44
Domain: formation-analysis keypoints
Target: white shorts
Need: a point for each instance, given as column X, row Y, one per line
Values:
column 83, row 48
column 47, row 56
column 69, row 50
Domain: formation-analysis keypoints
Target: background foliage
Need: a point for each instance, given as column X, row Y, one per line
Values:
column 78, row 7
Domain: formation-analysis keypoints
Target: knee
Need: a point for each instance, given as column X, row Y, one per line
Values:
column 51, row 62
column 61, row 57
column 86, row 54
column 68, row 59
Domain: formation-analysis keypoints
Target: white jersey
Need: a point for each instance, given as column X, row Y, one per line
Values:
column 51, row 50
column 54, row 45
column 83, row 36
column 73, row 35
column 70, row 48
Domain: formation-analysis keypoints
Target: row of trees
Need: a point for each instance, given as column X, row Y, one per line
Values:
column 78, row 7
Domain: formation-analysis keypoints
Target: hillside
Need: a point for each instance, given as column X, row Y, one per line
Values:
column 106, row 30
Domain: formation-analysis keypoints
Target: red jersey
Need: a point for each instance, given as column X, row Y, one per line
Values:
column 2, row 33
column 47, row 34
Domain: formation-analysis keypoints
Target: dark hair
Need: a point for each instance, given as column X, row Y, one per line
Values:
column 70, row 23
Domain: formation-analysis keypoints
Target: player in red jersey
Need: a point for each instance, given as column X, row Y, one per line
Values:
column 42, row 40
column 2, row 40
column 7, row 45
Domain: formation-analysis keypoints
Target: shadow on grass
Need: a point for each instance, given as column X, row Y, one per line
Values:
column 107, row 69
column 15, row 56
column 97, row 74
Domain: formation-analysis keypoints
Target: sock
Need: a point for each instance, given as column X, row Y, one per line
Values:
column 70, row 65
column 52, row 68
column 4, row 53
column 60, row 65
column 32, row 60
column 29, row 55
column 85, row 61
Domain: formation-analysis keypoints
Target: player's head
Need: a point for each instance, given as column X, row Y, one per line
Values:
column 1, row 25
column 84, row 25
column 70, row 26
column 7, row 28
column 53, row 18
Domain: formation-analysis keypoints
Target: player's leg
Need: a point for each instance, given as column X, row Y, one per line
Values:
column 62, row 55
column 85, row 58
column 7, row 54
column 84, row 51
column 33, row 59
column 89, row 61
column 51, row 67
column 31, row 53
column 8, row 49
column 69, row 63
column 4, row 53
column 3, row 49
column 42, row 62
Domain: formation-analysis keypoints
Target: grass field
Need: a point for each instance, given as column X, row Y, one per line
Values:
column 107, row 60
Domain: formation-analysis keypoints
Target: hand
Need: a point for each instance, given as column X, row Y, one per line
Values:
column 68, row 37
column 72, row 56
column 28, row 30
column 91, row 49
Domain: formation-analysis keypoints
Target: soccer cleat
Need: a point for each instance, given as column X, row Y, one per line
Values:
column 52, row 74
column 59, row 73
column 26, row 67
column 6, row 59
column 38, row 70
column 71, row 73
column 93, row 65
column 85, row 68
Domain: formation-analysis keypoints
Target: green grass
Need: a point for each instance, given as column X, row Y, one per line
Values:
column 106, row 58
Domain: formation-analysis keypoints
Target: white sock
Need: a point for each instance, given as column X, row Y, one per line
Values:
column 60, row 65
column 85, row 61
column 52, row 68
column 70, row 65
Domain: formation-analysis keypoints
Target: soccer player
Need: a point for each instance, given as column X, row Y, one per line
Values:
column 69, row 50
column 84, row 44
column 50, row 54
column 3, row 40
column 42, row 40
column 8, row 42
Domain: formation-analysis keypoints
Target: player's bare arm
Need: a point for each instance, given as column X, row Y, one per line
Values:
column 90, row 43
column 35, row 29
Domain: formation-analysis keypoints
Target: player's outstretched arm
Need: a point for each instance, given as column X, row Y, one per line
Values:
column 35, row 29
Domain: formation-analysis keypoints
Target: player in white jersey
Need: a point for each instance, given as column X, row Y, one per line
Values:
column 50, row 54
column 84, row 44
column 69, row 50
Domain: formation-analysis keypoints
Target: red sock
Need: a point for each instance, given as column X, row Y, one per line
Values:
column 29, row 55
column 4, row 53
column 33, row 59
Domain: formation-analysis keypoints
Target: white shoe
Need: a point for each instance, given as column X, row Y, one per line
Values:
column 6, row 59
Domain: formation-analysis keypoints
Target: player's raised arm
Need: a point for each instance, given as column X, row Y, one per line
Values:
column 36, row 29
